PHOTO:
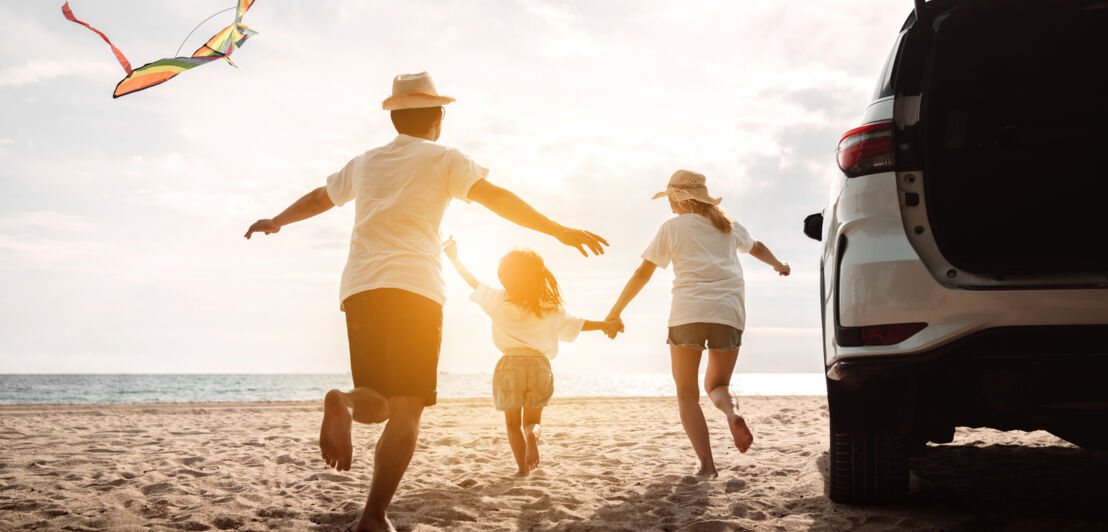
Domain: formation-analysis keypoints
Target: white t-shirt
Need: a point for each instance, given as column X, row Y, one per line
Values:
column 401, row 191
column 708, row 286
column 514, row 327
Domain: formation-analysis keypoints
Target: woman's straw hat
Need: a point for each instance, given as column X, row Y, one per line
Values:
column 414, row 91
column 687, row 185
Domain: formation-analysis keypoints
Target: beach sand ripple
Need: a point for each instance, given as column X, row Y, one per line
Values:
column 608, row 464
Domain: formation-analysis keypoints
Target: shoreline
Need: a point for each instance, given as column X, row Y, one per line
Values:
column 14, row 408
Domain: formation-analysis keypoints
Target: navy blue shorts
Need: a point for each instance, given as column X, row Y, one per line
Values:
column 395, row 337
column 717, row 336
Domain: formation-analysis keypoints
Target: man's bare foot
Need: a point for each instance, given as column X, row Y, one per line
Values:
column 334, row 433
column 706, row 472
column 531, row 458
column 374, row 524
column 741, row 434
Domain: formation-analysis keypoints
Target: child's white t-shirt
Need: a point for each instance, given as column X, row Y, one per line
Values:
column 708, row 285
column 514, row 327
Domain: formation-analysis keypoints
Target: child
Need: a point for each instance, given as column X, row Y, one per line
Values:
column 708, row 303
column 527, row 321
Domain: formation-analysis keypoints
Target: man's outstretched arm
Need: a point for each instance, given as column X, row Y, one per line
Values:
column 512, row 208
column 313, row 203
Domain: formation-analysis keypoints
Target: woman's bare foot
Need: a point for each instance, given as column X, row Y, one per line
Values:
column 531, row 458
column 706, row 472
column 741, row 433
column 370, row 524
column 334, row 433
column 522, row 473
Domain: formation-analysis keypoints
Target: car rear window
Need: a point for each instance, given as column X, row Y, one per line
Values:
column 885, row 80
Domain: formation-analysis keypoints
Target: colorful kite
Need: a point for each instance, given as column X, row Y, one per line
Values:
column 160, row 71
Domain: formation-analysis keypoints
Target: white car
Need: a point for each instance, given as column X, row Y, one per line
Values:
column 964, row 273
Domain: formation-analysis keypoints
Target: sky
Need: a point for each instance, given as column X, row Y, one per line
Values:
column 121, row 221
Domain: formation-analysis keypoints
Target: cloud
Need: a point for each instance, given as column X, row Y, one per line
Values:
column 42, row 220
column 38, row 70
column 582, row 108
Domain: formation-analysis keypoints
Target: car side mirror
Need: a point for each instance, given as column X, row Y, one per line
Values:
column 813, row 226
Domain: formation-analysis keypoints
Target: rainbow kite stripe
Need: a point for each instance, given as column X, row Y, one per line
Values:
column 219, row 46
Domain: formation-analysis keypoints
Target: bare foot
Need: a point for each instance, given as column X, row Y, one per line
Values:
column 531, row 457
column 741, row 434
column 706, row 472
column 372, row 524
column 522, row 473
column 334, row 434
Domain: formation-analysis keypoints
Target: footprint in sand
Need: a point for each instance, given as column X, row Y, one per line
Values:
column 227, row 522
column 276, row 513
column 191, row 472
column 541, row 503
column 288, row 459
column 734, row 485
column 330, row 477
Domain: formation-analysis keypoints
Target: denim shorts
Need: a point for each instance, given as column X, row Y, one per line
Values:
column 717, row 336
column 522, row 382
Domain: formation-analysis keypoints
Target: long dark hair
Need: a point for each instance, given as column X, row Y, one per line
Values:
column 528, row 283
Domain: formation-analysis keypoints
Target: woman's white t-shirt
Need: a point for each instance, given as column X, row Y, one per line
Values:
column 708, row 285
column 514, row 327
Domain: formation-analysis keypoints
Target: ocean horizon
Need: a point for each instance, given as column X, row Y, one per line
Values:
column 111, row 388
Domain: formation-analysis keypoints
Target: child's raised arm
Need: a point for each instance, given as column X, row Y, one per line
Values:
column 451, row 249
column 610, row 327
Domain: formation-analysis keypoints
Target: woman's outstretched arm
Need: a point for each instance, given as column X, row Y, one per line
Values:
column 638, row 280
column 762, row 253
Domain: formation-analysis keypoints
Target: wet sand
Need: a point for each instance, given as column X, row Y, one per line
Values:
column 607, row 464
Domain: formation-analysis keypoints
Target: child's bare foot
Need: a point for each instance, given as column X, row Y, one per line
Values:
column 531, row 458
column 741, row 433
column 334, row 434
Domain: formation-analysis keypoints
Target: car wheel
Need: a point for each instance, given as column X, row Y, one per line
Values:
column 866, row 466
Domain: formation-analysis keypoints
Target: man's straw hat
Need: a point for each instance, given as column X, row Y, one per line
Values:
column 687, row 185
column 414, row 91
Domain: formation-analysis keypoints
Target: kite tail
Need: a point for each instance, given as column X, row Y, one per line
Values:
column 118, row 54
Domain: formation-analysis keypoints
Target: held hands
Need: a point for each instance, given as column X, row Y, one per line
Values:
column 266, row 226
column 612, row 327
column 581, row 239
column 783, row 269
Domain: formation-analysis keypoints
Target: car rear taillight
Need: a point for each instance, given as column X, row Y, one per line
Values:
column 889, row 334
column 867, row 150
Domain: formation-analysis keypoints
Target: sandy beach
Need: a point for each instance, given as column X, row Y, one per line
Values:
column 607, row 464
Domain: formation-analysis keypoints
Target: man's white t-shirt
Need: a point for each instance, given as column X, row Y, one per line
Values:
column 401, row 190
column 514, row 327
column 708, row 285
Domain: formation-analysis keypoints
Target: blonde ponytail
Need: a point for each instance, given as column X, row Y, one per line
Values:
column 713, row 213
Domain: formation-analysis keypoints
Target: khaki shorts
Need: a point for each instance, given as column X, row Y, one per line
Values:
column 522, row 382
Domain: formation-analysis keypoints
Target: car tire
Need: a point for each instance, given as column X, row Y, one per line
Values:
column 867, row 467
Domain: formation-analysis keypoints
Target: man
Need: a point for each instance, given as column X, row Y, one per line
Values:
column 392, row 289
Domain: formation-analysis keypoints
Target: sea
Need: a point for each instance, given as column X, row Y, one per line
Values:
column 204, row 387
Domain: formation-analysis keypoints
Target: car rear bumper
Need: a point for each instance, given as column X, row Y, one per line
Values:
column 1028, row 378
